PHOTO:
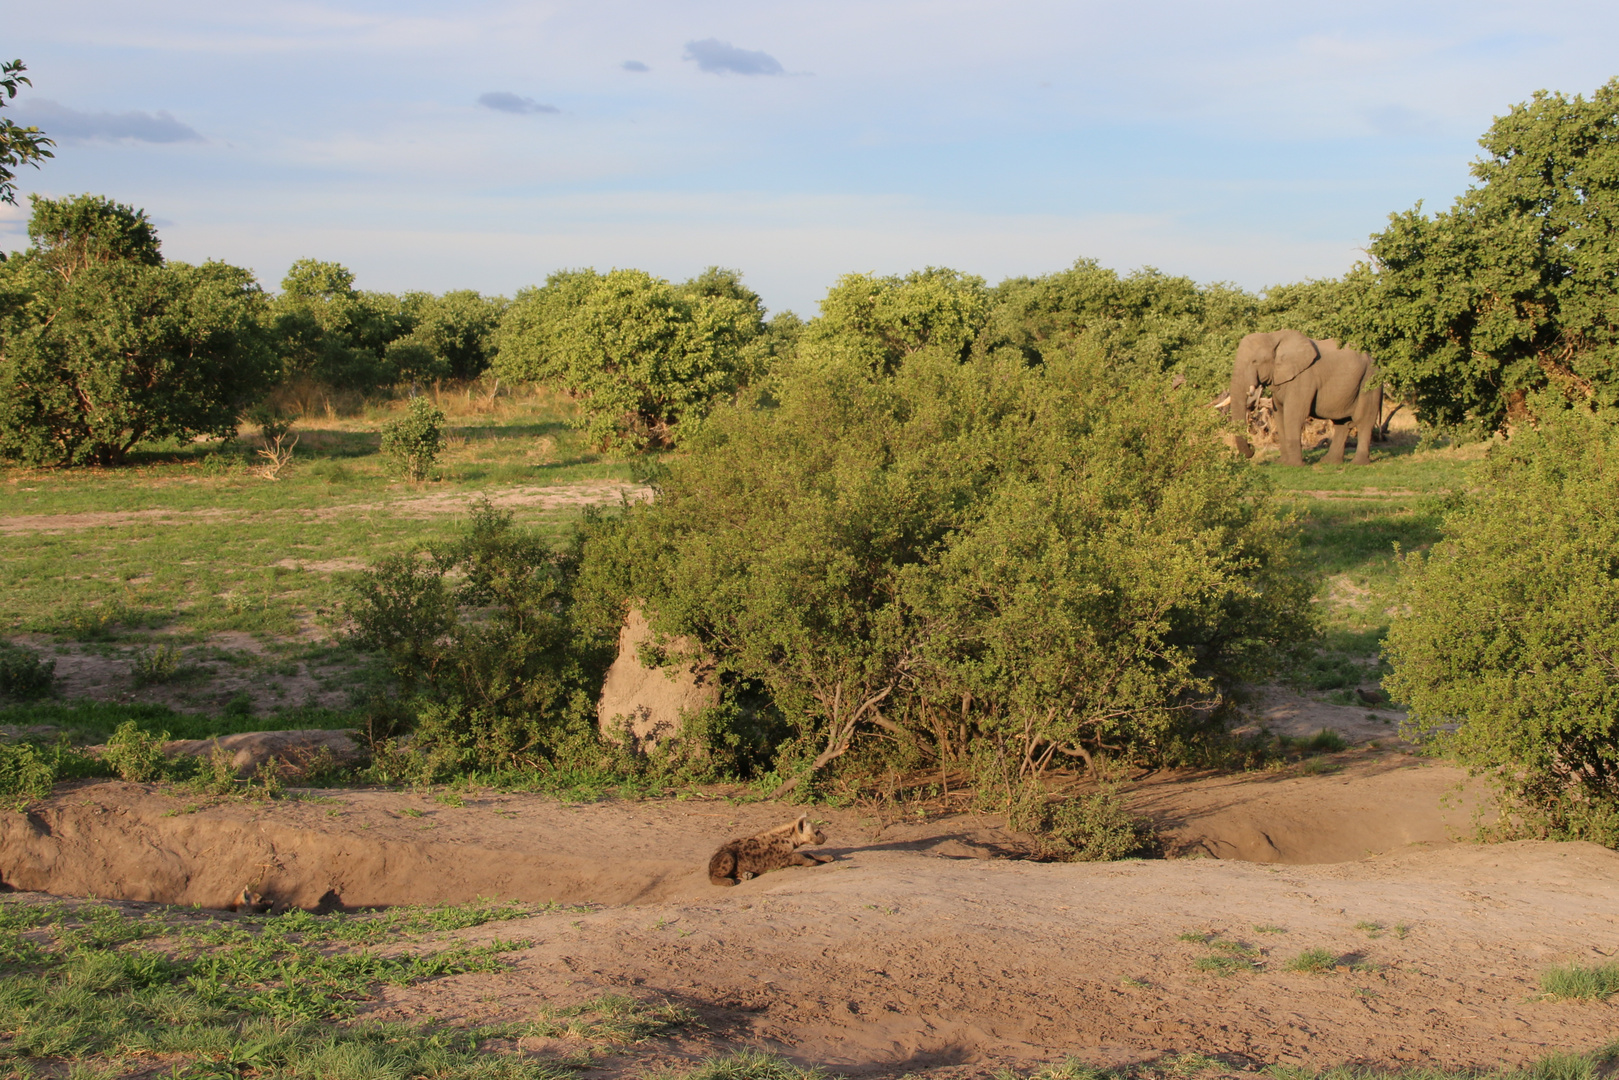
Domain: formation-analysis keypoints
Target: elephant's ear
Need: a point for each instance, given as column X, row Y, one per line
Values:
column 1294, row 353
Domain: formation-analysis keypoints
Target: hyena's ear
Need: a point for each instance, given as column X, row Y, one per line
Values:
column 803, row 819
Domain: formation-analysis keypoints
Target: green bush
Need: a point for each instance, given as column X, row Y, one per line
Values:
column 23, row 674
column 1149, row 323
column 135, row 755
column 414, row 441
column 966, row 554
column 1512, row 627
column 1094, row 826
column 25, row 775
column 722, row 742
column 500, row 667
column 156, row 665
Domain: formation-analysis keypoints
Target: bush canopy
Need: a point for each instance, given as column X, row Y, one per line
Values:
column 967, row 557
column 104, row 345
column 646, row 358
column 1508, row 653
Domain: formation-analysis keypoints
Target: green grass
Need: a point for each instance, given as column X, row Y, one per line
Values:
column 1186, row 1066
column 1229, row 957
column 92, row 989
column 1396, row 467
column 1350, row 520
column 1556, row 1066
column 611, row 1018
column 1581, row 982
column 198, row 545
column 1225, row 965
column 216, row 547
column 745, row 1064
column 1313, row 962
column 94, row 721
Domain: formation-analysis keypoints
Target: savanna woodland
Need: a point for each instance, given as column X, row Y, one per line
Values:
column 985, row 534
column 943, row 541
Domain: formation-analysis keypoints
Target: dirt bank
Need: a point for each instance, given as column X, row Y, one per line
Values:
column 928, row 943
column 368, row 848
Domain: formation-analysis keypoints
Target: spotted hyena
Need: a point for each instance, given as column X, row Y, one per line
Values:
column 747, row 858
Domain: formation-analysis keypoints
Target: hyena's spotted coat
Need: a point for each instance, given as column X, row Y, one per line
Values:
column 747, row 858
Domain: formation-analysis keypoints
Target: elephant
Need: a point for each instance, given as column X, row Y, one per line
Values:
column 1309, row 378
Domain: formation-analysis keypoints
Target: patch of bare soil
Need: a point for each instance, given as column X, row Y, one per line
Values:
column 541, row 496
column 928, row 943
column 238, row 665
column 1356, row 805
column 1282, row 712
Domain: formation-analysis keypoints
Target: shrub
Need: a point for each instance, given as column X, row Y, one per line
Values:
column 25, row 775
column 23, row 674
column 722, row 742
column 1149, row 323
column 156, row 665
column 1513, row 625
column 1094, row 826
column 135, row 755
column 883, row 320
column 414, row 441
column 499, row 667
column 1037, row 562
column 1325, row 741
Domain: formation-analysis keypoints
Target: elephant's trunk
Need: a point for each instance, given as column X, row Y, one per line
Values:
column 1244, row 377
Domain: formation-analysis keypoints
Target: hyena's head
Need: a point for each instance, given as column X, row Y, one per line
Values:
column 805, row 833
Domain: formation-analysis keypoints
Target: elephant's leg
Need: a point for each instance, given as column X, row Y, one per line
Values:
column 1340, row 436
column 1290, row 417
column 1368, row 414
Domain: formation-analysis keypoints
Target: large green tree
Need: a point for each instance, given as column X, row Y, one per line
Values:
column 327, row 330
column 104, row 345
column 453, row 336
column 646, row 358
column 1516, row 286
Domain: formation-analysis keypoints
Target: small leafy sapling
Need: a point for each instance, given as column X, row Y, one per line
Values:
column 414, row 441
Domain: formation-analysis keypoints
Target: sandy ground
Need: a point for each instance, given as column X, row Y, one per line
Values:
column 929, row 942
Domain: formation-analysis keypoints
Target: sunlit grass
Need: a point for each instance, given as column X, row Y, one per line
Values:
column 191, row 541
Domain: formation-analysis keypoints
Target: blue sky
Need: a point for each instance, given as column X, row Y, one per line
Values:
column 484, row 145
